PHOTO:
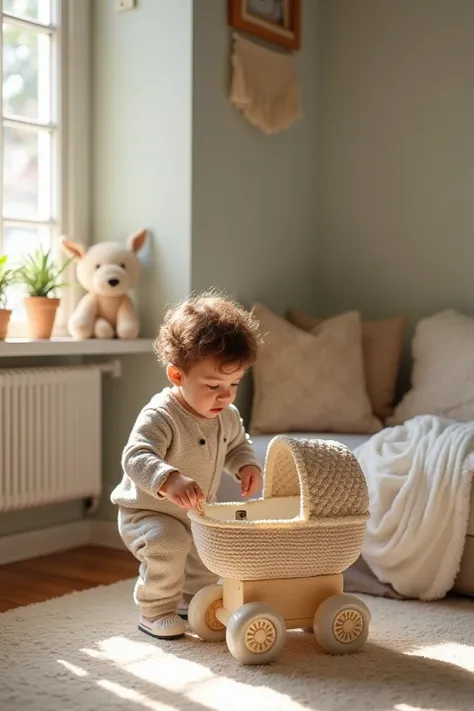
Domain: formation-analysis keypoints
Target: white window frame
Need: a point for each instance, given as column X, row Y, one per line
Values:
column 73, row 159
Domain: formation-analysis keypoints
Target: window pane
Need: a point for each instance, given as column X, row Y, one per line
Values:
column 18, row 242
column 27, row 179
column 39, row 10
column 27, row 75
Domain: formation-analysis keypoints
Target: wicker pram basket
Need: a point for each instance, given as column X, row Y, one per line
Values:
column 310, row 520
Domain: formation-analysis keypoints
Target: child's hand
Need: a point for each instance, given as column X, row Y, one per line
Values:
column 182, row 490
column 250, row 480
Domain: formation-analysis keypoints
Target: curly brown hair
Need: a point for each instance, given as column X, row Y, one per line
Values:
column 208, row 325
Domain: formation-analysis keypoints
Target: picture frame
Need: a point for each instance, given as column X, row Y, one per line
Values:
column 275, row 21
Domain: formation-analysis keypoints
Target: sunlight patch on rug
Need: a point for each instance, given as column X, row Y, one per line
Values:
column 84, row 652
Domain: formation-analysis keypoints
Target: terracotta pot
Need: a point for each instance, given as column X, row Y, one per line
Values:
column 41, row 312
column 4, row 321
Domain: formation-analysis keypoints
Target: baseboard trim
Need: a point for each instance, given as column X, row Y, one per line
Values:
column 33, row 544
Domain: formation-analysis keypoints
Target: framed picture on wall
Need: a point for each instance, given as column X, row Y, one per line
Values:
column 276, row 21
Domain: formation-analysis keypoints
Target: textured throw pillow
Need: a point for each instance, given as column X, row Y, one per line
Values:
column 310, row 383
column 382, row 343
column 443, row 369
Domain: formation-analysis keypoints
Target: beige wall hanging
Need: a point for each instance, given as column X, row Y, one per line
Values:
column 264, row 86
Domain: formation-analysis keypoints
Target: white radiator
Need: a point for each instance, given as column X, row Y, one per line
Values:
column 50, row 435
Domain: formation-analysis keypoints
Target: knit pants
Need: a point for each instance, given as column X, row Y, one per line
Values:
column 169, row 562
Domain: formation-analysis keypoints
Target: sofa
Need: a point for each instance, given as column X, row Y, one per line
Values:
column 360, row 579
column 336, row 378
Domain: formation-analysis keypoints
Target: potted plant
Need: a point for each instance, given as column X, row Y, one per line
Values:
column 8, row 277
column 40, row 275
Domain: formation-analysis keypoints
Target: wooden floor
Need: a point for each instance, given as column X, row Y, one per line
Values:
column 43, row 578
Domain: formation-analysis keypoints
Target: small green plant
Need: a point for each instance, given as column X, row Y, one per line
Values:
column 40, row 273
column 8, row 277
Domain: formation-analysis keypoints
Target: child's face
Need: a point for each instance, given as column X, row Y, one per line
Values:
column 206, row 389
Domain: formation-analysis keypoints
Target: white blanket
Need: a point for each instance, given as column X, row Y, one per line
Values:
column 419, row 476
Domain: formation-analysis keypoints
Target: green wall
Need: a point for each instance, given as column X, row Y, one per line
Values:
column 396, row 156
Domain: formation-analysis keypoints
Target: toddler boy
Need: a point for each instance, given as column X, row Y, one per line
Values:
column 181, row 442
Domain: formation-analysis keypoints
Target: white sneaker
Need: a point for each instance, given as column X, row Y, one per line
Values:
column 170, row 626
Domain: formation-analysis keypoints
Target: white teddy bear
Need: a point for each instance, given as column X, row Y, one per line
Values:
column 107, row 271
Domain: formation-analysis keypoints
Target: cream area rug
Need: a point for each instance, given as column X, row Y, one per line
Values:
column 83, row 652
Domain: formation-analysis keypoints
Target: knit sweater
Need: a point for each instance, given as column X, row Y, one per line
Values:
column 166, row 437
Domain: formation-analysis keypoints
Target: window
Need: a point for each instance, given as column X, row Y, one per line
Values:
column 44, row 81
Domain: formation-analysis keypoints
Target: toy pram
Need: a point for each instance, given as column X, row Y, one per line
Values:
column 281, row 557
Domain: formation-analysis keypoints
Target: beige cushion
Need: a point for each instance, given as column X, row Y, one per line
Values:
column 443, row 369
column 382, row 343
column 307, row 383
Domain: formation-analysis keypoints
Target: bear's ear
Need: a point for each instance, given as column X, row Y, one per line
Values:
column 74, row 249
column 136, row 241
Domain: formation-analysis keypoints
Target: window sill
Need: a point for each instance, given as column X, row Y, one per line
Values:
column 24, row 347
